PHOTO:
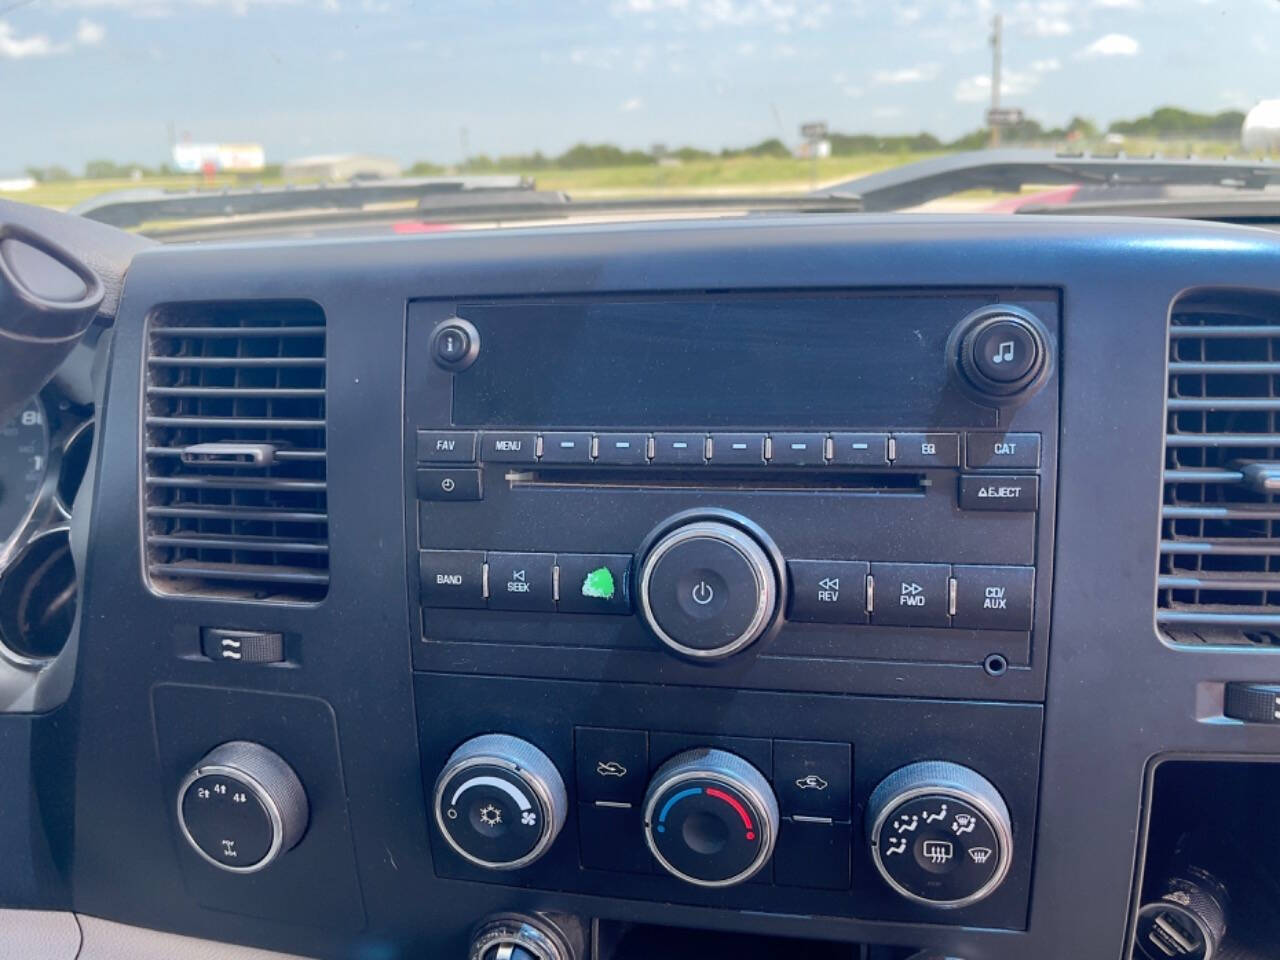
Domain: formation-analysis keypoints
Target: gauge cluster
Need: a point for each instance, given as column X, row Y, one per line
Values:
column 44, row 453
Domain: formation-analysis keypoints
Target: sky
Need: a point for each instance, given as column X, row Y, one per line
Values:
column 428, row 80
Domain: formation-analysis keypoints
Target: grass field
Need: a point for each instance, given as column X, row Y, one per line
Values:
column 720, row 175
column 739, row 174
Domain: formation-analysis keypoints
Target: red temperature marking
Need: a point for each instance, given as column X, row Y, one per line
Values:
column 737, row 805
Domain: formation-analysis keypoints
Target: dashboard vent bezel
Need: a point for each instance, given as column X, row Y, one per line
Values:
column 1218, row 578
column 251, row 374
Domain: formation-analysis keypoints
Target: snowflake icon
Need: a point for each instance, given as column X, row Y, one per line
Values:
column 490, row 815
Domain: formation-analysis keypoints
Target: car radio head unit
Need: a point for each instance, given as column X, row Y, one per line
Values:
column 782, row 480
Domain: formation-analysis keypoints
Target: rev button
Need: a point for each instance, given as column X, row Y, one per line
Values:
column 828, row 591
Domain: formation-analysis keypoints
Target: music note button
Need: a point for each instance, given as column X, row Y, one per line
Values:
column 1005, row 351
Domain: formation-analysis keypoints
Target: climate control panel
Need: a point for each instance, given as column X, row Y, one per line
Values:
column 827, row 804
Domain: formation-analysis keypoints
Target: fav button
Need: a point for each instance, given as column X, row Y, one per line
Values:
column 446, row 446
column 521, row 581
column 737, row 449
column 594, row 583
column 828, row 591
column 612, row 765
column 910, row 594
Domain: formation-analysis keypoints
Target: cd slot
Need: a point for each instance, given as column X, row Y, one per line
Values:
column 650, row 478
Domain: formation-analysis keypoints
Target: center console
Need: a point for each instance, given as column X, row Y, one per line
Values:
column 736, row 599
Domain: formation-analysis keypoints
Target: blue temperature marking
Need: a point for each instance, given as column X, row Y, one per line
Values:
column 671, row 801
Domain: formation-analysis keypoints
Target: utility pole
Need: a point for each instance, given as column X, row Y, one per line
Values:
column 997, row 39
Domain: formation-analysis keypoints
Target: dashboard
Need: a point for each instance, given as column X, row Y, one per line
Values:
column 507, row 594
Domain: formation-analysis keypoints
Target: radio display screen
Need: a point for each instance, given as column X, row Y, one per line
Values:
column 733, row 361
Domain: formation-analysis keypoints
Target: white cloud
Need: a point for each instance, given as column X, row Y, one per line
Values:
column 1112, row 45
column 977, row 88
column 1047, row 65
column 631, row 105
column 14, row 47
column 849, row 90
column 746, row 49
column 918, row 74
column 601, row 58
column 90, row 34
column 1119, row 4
column 782, row 16
column 886, row 113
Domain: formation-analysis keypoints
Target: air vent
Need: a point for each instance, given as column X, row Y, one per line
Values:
column 235, row 469
column 1219, row 578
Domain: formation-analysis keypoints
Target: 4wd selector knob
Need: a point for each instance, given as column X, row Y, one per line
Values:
column 710, row 818
column 940, row 834
column 242, row 807
column 708, row 589
column 500, row 802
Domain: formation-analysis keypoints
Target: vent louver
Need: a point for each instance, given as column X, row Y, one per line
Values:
column 1219, row 576
column 235, row 462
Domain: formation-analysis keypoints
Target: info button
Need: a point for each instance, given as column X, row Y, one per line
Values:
column 828, row 591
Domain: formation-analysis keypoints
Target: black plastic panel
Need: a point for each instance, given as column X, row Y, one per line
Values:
column 1114, row 695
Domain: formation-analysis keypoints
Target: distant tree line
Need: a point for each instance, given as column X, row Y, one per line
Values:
column 1164, row 122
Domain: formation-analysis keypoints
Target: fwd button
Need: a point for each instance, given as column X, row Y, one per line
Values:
column 910, row 594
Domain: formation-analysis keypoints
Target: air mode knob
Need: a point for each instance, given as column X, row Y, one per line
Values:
column 708, row 588
column 500, row 802
column 940, row 834
column 710, row 818
column 242, row 807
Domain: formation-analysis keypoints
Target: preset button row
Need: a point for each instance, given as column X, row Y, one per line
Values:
column 912, row 594
column 901, row 449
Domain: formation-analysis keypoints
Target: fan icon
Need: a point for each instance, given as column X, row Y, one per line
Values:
column 490, row 815
column 528, row 818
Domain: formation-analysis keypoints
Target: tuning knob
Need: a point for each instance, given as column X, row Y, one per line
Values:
column 940, row 834
column 1001, row 355
column 710, row 818
column 708, row 588
column 242, row 807
column 500, row 802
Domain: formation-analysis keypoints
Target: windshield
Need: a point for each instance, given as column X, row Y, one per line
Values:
column 616, row 99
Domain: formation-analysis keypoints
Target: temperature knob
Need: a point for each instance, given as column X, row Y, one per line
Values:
column 940, row 834
column 500, row 802
column 242, row 807
column 710, row 818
